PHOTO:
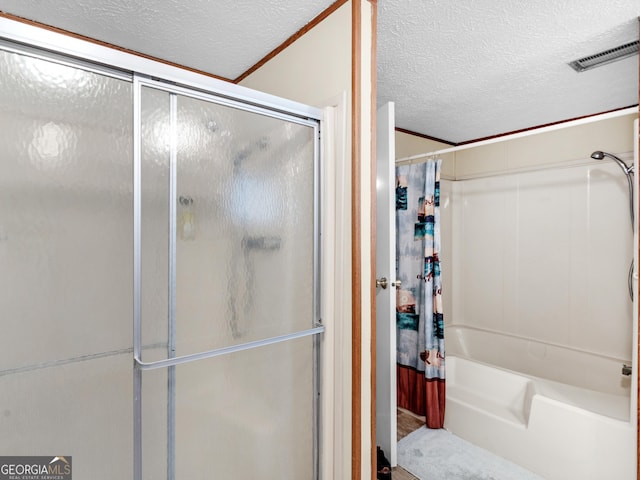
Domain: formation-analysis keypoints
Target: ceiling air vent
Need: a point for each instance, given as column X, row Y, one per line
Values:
column 602, row 58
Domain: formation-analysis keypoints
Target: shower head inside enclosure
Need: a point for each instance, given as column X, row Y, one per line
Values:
column 599, row 155
column 261, row 144
column 261, row 243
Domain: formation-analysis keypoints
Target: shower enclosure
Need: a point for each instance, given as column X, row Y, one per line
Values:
column 160, row 274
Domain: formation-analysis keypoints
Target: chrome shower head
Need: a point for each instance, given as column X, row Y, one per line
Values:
column 599, row 155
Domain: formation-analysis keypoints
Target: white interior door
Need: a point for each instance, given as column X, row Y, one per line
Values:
column 386, row 420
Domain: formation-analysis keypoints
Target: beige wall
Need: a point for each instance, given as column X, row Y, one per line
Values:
column 571, row 144
column 408, row 145
column 315, row 68
column 564, row 145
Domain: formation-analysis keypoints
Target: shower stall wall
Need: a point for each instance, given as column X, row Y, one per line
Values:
column 160, row 284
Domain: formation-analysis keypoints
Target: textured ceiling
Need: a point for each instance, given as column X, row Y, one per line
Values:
column 456, row 71
column 222, row 37
column 474, row 68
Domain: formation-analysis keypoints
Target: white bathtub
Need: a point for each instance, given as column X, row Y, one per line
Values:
column 561, row 413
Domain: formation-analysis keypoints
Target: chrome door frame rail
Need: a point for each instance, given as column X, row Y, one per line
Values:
column 171, row 362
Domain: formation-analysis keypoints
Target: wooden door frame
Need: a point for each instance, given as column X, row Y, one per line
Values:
column 361, row 164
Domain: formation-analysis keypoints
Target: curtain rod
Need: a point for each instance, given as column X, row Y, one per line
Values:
column 422, row 157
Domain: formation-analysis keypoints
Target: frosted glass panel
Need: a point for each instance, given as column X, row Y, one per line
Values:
column 65, row 265
column 65, row 212
column 245, row 263
column 81, row 409
column 244, row 225
column 154, row 141
column 246, row 415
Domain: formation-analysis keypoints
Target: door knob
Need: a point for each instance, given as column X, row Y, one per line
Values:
column 396, row 284
column 382, row 282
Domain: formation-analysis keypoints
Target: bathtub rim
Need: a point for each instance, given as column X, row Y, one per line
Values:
column 631, row 396
column 538, row 391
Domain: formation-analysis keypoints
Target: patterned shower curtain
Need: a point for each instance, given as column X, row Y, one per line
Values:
column 419, row 320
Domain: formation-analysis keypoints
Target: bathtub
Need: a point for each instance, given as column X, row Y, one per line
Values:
column 561, row 413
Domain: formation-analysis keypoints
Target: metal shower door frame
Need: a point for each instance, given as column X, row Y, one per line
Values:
column 140, row 81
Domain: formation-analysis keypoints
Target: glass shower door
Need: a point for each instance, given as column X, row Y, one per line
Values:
column 227, row 317
column 65, row 265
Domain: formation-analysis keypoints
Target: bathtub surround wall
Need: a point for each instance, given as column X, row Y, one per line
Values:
column 552, row 267
column 552, row 258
